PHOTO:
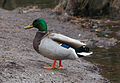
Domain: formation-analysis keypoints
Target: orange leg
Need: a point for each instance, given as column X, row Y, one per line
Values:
column 60, row 64
column 53, row 65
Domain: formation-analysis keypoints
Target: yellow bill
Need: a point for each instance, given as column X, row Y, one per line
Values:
column 29, row 26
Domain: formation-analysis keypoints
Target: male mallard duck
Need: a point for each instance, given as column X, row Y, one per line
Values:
column 56, row 46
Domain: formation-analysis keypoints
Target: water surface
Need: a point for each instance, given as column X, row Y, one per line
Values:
column 108, row 60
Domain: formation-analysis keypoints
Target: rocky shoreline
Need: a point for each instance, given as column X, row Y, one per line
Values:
column 19, row 63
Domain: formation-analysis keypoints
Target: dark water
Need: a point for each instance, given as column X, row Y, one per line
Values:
column 12, row 4
column 106, row 59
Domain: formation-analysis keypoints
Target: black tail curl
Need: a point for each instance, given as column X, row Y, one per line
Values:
column 82, row 49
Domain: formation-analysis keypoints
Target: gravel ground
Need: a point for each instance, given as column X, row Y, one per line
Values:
column 19, row 63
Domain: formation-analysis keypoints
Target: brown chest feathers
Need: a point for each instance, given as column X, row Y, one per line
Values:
column 37, row 40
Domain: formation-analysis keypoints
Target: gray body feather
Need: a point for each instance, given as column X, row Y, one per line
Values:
column 53, row 50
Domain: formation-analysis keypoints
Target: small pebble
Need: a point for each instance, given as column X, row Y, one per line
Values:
column 79, row 35
column 52, row 72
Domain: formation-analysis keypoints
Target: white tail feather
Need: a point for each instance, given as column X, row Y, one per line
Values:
column 85, row 53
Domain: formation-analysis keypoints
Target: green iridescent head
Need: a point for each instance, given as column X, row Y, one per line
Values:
column 39, row 23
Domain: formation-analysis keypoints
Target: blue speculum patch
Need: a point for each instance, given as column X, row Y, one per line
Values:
column 65, row 46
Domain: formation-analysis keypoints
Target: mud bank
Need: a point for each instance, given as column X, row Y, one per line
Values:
column 19, row 63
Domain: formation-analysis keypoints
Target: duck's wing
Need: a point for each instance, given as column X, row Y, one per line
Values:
column 66, row 40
